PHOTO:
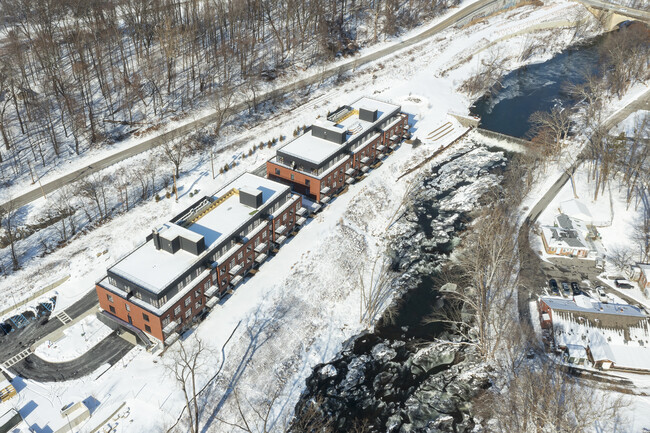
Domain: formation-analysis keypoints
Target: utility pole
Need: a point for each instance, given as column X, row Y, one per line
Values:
column 212, row 162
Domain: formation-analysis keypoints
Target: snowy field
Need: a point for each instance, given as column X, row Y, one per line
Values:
column 303, row 303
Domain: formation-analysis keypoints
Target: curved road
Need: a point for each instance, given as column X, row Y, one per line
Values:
column 51, row 186
column 110, row 350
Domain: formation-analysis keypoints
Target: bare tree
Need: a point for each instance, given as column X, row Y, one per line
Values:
column 480, row 302
column 258, row 416
column 551, row 128
column 545, row 399
column 64, row 209
column 375, row 285
column 10, row 225
column 186, row 361
column 175, row 152
column 93, row 188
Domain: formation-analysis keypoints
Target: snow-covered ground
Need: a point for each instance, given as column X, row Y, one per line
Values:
column 303, row 303
column 75, row 341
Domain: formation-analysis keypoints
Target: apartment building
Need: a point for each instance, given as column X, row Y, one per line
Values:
column 337, row 150
column 186, row 264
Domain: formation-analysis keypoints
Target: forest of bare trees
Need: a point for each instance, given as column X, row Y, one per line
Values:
column 74, row 75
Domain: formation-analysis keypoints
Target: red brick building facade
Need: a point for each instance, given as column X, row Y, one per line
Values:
column 137, row 298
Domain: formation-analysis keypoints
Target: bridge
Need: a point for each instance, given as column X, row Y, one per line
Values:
column 612, row 15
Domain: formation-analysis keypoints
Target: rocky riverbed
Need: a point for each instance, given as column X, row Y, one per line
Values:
column 410, row 374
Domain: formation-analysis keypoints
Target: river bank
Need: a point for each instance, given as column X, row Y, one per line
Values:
column 410, row 373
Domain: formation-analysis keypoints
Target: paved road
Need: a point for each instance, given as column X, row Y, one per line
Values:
column 51, row 186
column 637, row 14
column 108, row 351
column 641, row 103
column 21, row 339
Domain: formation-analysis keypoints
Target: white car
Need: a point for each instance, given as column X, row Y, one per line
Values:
column 602, row 296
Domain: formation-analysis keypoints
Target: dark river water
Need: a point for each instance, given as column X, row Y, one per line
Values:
column 537, row 87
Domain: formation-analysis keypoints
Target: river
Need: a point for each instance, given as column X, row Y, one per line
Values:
column 537, row 87
column 399, row 378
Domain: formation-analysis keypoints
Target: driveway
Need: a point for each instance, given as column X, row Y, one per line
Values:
column 108, row 351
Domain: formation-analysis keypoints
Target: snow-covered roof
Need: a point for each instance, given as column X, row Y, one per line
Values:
column 557, row 237
column 584, row 304
column 154, row 269
column 626, row 348
column 311, row 149
column 576, row 351
column 576, row 209
column 316, row 150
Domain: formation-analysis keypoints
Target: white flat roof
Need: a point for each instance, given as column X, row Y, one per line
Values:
column 588, row 305
column 155, row 269
column 316, row 150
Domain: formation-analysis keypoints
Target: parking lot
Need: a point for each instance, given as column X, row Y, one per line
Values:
column 536, row 273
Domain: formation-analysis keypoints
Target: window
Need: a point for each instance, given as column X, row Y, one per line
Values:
column 197, row 293
column 284, row 217
column 165, row 321
column 249, row 248
column 177, row 310
column 223, row 270
column 110, row 307
column 292, row 176
column 188, row 313
column 248, row 259
column 263, row 235
column 277, row 171
column 205, row 287
column 307, row 182
column 198, row 304
column 128, row 307
column 224, row 282
column 109, row 297
column 188, row 300
column 214, row 275
column 145, row 317
column 240, row 255
column 147, row 328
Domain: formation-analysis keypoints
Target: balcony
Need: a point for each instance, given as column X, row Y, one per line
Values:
column 350, row 171
column 381, row 156
column 365, row 160
column 394, row 138
column 238, row 279
column 261, row 258
column 261, row 247
column 171, row 327
column 349, row 180
column 281, row 229
column 324, row 199
column 172, row 339
column 211, row 291
column 234, row 270
column 280, row 240
column 301, row 221
column 302, row 211
column 325, row 190
column 381, row 148
column 365, row 169
column 212, row 303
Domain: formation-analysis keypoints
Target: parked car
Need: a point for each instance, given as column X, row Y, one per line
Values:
column 622, row 284
column 602, row 296
column 575, row 288
column 554, row 288
column 565, row 288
